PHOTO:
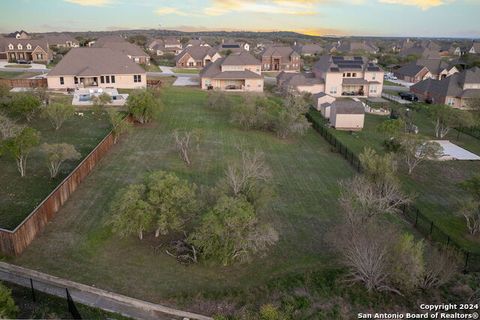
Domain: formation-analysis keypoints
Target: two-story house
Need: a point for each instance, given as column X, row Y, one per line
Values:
column 196, row 57
column 280, row 59
column 456, row 90
column 239, row 71
column 35, row 50
column 349, row 76
column 425, row 68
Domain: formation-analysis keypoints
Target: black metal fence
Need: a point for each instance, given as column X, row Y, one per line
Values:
column 423, row 224
column 72, row 308
column 471, row 131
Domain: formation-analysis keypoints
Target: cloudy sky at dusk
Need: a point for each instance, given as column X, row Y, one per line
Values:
column 452, row 18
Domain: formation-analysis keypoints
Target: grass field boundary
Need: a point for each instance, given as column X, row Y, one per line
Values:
column 471, row 131
column 13, row 242
column 423, row 224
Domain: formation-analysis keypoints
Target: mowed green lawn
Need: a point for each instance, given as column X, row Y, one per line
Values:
column 78, row 245
column 434, row 183
column 19, row 196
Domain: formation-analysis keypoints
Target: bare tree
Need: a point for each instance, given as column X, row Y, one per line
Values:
column 470, row 210
column 442, row 264
column 241, row 176
column 362, row 199
column 365, row 251
column 8, row 127
column 416, row 150
column 183, row 143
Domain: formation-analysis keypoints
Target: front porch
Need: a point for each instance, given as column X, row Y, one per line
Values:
column 354, row 90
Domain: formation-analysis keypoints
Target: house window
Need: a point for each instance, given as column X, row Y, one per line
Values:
column 113, row 79
column 102, row 79
column 190, row 64
column 374, row 76
column 107, row 78
column 451, row 101
column 349, row 74
column 354, row 75
column 19, row 46
column 39, row 56
column 10, row 46
column 333, row 90
column 62, row 81
column 344, row 74
column 373, row 89
column 75, row 80
column 137, row 78
column 29, row 47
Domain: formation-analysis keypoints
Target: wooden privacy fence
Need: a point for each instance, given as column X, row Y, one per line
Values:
column 24, row 83
column 14, row 242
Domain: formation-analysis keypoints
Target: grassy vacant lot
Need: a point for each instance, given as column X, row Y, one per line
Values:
column 435, row 182
column 78, row 245
column 19, row 196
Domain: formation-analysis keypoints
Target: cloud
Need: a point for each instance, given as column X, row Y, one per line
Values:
column 91, row 3
column 422, row 4
column 169, row 10
column 298, row 7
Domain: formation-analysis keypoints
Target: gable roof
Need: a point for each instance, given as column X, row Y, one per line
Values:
column 214, row 69
column 339, row 64
column 42, row 43
column 119, row 44
column 347, row 106
column 242, row 58
column 95, row 61
column 59, row 39
column 284, row 52
column 351, row 46
column 410, row 70
column 309, row 49
column 196, row 52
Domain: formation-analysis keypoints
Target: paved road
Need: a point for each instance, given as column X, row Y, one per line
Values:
column 92, row 296
column 395, row 98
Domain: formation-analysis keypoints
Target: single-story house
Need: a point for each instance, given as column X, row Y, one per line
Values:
column 347, row 114
column 196, row 57
column 300, row 82
column 96, row 67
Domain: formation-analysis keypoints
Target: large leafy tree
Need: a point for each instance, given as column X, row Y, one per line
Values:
column 445, row 118
column 56, row 154
column 25, row 105
column 143, row 105
column 173, row 199
column 230, row 232
column 470, row 206
column 131, row 214
column 21, row 145
column 416, row 149
column 58, row 113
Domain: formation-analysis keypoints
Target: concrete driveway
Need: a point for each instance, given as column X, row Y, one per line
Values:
column 34, row 67
column 186, row 81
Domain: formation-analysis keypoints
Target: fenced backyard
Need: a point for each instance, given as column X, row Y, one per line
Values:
column 471, row 261
column 13, row 242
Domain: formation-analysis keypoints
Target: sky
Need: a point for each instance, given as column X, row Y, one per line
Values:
column 423, row 18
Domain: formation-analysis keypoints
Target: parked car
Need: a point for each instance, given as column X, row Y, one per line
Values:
column 24, row 62
column 408, row 96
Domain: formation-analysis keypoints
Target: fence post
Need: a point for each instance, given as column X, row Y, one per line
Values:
column 33, row 291
column 448, row 240
column 72, row 308
column 431, row 227
column 416, row 217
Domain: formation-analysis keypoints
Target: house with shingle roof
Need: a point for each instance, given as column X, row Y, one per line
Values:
column 239, row 71
column 349, row 76
column 353, row 47
column 475, row 48
column 117, row 43
column 35, row 50
column 196, row 57
column 166, row 45
column 96, row 67
column 455, row 90
column 425, row 68
column 347, row 114
column 22, row 34
column 309, row 49
column 280, row 59
column 420, row 51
